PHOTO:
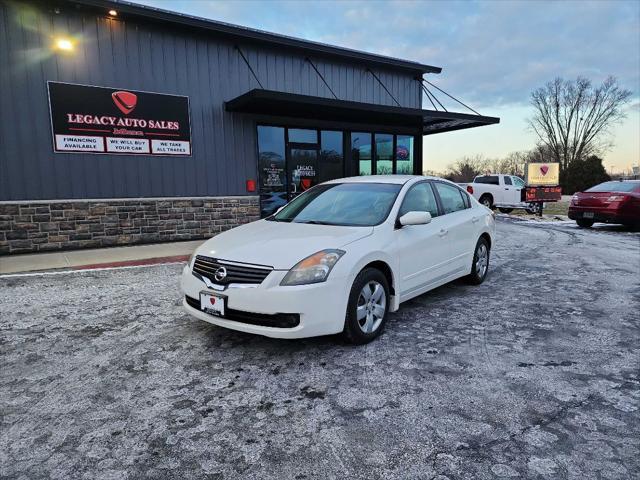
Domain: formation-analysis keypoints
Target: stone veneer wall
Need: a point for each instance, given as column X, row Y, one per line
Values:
column 38, row 226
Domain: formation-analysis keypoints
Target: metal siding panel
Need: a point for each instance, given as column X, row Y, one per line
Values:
column 11, row 178
column 146, row 56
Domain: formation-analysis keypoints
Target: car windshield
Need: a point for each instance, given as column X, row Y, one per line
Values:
column 346, row 204
column 615, row 187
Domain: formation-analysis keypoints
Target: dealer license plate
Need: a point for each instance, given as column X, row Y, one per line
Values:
column 212, row 304
column 587, row 215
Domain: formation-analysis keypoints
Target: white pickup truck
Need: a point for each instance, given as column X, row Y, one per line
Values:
column 504, row 192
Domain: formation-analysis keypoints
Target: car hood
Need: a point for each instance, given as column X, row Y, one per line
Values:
column 278, row 244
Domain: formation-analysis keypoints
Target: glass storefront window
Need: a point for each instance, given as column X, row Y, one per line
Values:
column 299, row 135
column 314, row 156
column 271, row 166
column 404, row 155
column 331, row 156
column 384, row 154
column 361, row 152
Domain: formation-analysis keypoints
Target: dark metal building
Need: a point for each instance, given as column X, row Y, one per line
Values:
column 255, row 118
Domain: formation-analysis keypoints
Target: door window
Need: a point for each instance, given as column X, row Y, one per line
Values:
column 419, row 198
column 300, row 135
column 450, row 198
column 507, row 180
column 271, row 165
column 303, row 168
column 518, row 182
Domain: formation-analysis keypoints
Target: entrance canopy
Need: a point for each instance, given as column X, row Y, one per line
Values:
column 269, row 102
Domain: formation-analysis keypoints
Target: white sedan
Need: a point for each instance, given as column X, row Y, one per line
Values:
column 339, row 257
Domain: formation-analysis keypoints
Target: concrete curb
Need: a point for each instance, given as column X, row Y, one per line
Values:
column 99, row 258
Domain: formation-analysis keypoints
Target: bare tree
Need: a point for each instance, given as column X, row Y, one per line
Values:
column 512, row 164
column 573, row 118
column 466, row 168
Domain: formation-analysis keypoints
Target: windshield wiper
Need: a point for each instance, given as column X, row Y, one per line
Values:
column 316, row 222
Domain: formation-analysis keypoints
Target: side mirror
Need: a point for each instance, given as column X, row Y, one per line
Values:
column 415, row 218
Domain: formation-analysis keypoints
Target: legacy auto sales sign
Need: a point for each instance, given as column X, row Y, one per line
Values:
column 87, row 119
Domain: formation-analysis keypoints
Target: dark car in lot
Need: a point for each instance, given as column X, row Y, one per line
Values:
column 609, row 202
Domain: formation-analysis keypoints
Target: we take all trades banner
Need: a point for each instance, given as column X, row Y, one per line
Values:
column 87, row 119
column 543, row 174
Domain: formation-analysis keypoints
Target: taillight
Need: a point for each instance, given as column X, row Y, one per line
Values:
column 616, row 198
column 470, row 189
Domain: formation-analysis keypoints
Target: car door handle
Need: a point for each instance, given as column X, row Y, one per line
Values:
column 506, row 189
column 443, row 232
column 475, row 219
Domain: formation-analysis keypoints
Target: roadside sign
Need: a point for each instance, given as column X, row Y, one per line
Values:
column 543, row 194
column 539, row 174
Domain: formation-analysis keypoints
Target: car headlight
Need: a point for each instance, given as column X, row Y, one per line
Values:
column 313, row 269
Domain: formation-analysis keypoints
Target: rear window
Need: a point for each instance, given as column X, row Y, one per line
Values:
column 615, row 187
column 490, row 179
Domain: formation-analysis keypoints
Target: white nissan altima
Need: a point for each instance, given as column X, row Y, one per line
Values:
column 339, row 257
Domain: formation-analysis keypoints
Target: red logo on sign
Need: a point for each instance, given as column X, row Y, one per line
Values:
column 125, row 101
column 305, row 183
column 212, row 300
column 544, row 169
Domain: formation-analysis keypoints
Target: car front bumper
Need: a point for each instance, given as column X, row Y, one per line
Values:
column 321, row 307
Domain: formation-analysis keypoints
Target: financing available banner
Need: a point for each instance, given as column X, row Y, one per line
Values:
column 88, row 119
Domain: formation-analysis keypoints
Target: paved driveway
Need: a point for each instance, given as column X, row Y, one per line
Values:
column 533, row 374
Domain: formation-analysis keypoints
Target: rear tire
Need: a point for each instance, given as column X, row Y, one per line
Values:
column 487, row 201
column 480, row 264
column 584, row 223
column 367, row 308
column 505, row 210
column 533, row 208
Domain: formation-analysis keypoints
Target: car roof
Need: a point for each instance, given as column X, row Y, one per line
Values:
column 393, row 179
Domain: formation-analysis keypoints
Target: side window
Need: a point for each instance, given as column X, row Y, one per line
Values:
column 419, row 198
column 507, row 180
column 450, row 197
column 466, row 199
column 518, row 182
column 489, row 179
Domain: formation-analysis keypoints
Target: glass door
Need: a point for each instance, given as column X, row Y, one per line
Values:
column 302, row 168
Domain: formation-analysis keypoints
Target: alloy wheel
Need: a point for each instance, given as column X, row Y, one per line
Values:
column 482, row 260
column 371, row 306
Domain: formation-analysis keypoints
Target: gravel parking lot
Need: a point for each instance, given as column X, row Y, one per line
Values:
column 534, row 374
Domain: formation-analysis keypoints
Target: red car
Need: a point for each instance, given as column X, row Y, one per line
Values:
column 609, row 202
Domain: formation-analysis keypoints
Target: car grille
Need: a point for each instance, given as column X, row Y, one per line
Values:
column 277, row 320
column 236, row 273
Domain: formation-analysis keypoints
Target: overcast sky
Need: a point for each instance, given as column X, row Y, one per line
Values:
column 493, row 54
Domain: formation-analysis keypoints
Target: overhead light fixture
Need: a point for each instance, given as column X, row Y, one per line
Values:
column 113, row 13
column 64, row 44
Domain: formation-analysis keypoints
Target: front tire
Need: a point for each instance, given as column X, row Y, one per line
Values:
column 584, row 223
column 505, row 210
column 480, row 265
column 367, row 308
